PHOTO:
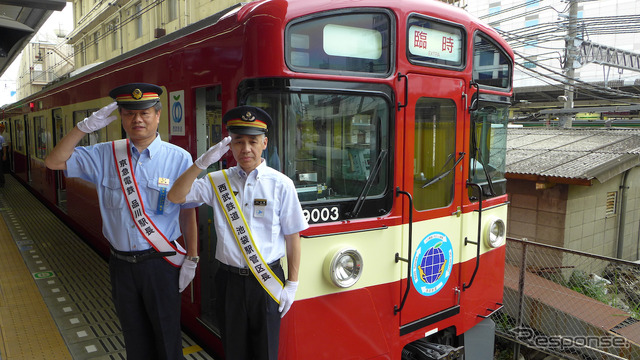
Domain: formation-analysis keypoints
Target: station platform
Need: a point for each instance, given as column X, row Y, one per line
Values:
column 55, row 294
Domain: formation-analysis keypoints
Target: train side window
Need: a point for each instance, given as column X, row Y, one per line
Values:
column 491, row 64
column 58, row 125
column 18, row 135
column 41, row 137
column 487, row 149
column 434, row 153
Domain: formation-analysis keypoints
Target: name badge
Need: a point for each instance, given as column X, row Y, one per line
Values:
column 259, row 207
column 163, row 183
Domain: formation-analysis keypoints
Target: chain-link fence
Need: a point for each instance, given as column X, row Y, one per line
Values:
column 570, row 304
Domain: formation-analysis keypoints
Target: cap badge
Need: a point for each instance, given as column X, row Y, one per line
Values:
column 136, row 94
column 248, row 117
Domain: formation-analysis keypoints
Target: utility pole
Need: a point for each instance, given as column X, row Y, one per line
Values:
column 570, row 57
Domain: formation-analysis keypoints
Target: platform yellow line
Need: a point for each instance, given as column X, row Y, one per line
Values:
column 27, row 330
column 191, row 350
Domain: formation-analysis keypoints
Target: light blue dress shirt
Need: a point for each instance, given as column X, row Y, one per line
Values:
column 96, row 164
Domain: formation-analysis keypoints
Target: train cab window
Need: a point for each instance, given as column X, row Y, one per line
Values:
column 434, row 153
column 42, row 140
column 96, row 136
column 488, row 149
column 353, row 43
column 491, row 65
column 434, row 43
column 332, row 146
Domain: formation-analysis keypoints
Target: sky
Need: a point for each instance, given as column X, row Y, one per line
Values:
column 58, row 20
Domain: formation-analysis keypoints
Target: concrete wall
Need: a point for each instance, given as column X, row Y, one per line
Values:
column 588, row 227
column 574, row 217
column 537, row 215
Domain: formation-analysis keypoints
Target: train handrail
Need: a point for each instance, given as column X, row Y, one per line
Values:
column 474, row 102
column 406, row 90
column 477, row 243
column 397, row 309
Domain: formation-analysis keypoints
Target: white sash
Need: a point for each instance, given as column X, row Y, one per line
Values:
column 144, row 224
column 222, row 188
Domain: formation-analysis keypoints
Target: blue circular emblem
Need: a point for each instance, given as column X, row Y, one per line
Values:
column 176, row 112
column 432, row 263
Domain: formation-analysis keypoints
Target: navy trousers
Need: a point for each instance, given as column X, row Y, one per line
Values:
column 147, row 301
column 248, row 316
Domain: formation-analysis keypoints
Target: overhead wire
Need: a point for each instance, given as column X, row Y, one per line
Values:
column 542, row 36
column 580, row 86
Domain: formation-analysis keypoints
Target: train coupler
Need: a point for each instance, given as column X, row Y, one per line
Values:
column 425, row 350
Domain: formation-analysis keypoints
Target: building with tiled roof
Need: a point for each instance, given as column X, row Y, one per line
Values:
column 576, row 188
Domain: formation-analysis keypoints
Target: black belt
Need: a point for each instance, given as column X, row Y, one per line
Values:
column 135, row 257
column 245, row 271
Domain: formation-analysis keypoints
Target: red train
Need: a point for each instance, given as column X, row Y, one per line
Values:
column 392, row 123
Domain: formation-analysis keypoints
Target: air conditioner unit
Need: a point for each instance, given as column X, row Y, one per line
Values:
column 159, row 32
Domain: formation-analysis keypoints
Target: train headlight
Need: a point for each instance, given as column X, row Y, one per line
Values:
column 345, row 267
column 494, row 232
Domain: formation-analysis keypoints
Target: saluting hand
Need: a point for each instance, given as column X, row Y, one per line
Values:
column 213, row 154
column 287, row 296
column 98, row 119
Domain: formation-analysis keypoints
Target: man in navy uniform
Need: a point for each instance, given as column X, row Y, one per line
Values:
column 148, row 269
column 258, row 219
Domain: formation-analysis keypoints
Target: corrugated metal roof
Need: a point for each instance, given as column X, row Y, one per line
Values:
column 574, row 153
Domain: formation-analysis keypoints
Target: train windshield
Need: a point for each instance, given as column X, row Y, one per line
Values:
column 333, row 146
column 488, row 148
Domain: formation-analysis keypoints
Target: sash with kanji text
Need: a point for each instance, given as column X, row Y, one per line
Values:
column 245, row 240
column 148, row 230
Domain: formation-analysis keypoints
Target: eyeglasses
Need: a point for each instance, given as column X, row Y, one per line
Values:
column 144, row 114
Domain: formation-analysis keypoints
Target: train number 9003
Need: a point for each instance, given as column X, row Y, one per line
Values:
column 321, row 214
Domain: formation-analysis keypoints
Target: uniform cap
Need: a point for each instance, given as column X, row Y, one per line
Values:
column 136, row 96
column 247, row 120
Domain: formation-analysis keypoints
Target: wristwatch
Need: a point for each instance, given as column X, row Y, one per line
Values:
column 195, row 259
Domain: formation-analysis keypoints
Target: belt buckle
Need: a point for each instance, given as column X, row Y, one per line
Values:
column 243, row 271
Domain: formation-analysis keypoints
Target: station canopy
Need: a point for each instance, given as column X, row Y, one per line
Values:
column 20, row 20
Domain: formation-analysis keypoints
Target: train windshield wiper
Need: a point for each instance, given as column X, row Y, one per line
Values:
column 443, row 174
column 365, row 190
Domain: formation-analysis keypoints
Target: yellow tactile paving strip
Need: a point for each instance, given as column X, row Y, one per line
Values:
column 41, row 280
column 27, row 329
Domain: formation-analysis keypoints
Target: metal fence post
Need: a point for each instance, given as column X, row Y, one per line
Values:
column 523, row 268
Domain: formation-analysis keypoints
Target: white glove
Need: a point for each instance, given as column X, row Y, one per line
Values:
column 287, row 296
column 213, row 154
column 187, row 273
column 98, row 119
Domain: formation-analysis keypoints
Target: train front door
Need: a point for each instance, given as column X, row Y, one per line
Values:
column 208, row 133
column 433, row 176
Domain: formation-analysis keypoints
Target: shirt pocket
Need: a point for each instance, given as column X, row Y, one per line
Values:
column 152, row 196
column 113, row 196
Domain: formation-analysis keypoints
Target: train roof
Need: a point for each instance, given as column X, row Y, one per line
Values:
column 287, row 10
